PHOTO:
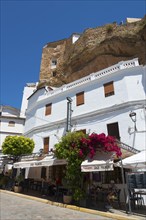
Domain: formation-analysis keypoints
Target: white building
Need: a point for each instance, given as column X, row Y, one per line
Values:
column 10, row 122
column 28, row 90
column 100, row 102
column 131, row 20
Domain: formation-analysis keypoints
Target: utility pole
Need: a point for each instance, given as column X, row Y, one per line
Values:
column 69, row 111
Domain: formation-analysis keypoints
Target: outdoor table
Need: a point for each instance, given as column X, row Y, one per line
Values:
column 142, row 193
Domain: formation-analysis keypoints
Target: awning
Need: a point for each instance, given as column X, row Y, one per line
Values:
column 47, row 161
column 102, row 161
column 137, row 161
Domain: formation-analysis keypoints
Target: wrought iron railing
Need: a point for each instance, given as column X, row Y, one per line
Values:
column 127, row 147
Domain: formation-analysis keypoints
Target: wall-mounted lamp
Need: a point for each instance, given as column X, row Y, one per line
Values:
column 69, row 99
column 40, row 151
column 132, row 115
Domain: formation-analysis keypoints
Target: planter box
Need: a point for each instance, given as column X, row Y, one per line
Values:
column 17, row 189
column 67, row 199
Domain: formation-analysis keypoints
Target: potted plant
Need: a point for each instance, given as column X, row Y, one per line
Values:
column 67, row 194
column 67, row 197
column 18, row 183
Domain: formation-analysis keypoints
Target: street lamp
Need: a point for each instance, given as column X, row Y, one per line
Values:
column 69, row 99
column 69, row 111
column 132, row 115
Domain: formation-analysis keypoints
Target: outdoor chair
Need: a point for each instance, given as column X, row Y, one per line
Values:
column 135, row 199
column 93, row 197
column 25, row 185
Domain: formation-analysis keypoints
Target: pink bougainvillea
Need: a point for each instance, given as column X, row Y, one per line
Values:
column 95, row 142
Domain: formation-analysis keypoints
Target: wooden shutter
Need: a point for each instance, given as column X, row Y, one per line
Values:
column 48, row 109
column 80, row 98
column 109, row 89
column 46, row 145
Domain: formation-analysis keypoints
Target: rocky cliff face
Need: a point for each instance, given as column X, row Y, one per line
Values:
column 96, row 49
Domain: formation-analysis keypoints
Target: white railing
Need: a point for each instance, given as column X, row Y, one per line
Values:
column 120, row 66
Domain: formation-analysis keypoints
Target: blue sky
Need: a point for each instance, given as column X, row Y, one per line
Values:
column 27, row 25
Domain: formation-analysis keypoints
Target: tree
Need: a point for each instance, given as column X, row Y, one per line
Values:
column 17, row 145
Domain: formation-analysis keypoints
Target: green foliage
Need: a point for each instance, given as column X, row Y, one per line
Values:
column 69, row 145
column 19, row 179
column 68, row 148
column 17, row 145
column 109, row 28
column 3, row 181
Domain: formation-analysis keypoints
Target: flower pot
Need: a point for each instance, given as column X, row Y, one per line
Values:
column 17, row 189
column 67, row 199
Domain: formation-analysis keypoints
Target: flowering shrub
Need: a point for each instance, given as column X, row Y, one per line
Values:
column 75, row 147
column 97, row 142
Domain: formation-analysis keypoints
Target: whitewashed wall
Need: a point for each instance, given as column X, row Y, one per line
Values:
column 28, row 90
column 98, row 110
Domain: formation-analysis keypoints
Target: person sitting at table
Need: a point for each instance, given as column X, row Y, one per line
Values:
column 112, row 195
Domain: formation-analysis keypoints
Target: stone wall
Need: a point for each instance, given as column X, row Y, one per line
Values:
column 96, row 49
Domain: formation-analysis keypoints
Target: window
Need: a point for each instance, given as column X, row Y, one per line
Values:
column 80, row 98
column 46, row 145
column 113, row 130
column 48, row 109
column 11, row 124
column 54, row 73
column 109, row 89
column 54, row 62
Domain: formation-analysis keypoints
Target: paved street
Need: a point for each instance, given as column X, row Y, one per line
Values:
column 16, row 208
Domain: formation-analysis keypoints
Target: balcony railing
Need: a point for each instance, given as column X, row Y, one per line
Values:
column 127, row 147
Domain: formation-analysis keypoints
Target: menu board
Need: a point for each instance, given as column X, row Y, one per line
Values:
column 136, row 180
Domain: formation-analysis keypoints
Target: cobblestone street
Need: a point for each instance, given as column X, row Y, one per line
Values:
column 16, row 208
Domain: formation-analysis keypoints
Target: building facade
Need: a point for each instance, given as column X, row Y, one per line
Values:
column 100, row 102
column 10, row 122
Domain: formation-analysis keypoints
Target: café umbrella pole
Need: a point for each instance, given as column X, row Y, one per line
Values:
column 123, row 180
